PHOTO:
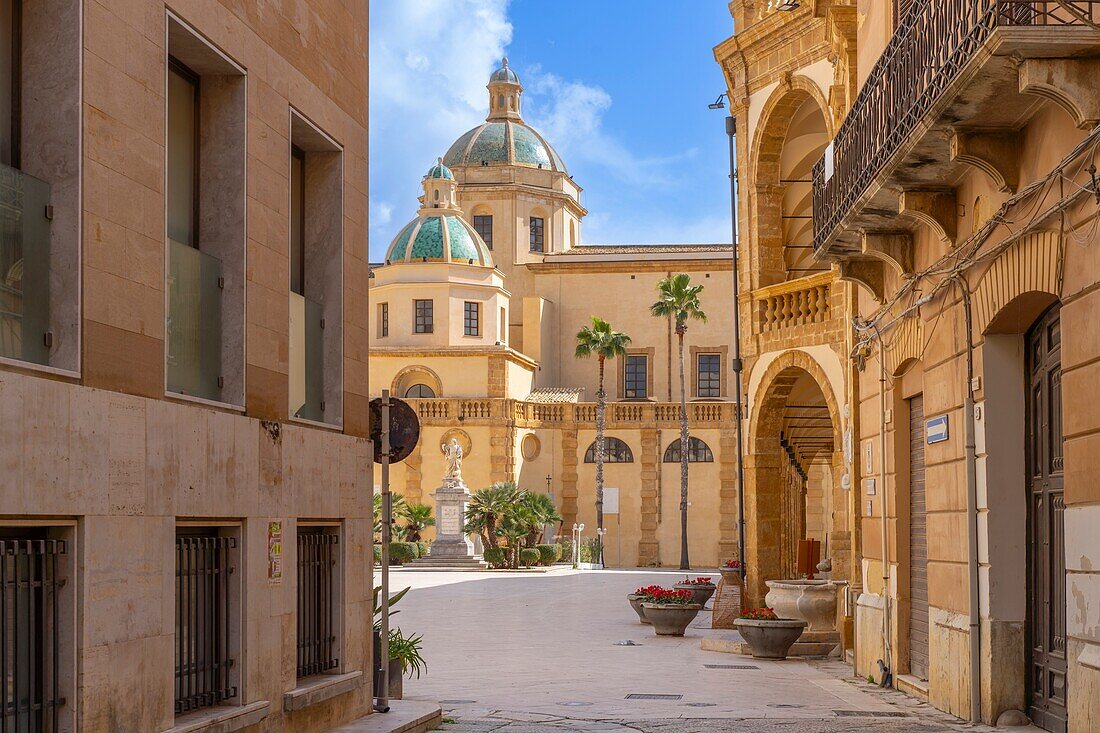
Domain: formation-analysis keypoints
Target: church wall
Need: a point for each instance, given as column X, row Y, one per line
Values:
column 460, row 376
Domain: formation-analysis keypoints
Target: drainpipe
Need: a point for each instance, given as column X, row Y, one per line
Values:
column 738, row 365
column 972, row 512
column 886, row 664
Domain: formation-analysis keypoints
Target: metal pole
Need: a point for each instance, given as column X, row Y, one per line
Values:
column 731, row 132
column 383, row 704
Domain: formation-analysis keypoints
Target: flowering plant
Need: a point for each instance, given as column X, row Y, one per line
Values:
column 733, row 564
column 760, row 614
column 657, row 594
column 646, row 590
column 696, row 581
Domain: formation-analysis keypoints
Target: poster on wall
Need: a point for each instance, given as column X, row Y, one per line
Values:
column 275, row 551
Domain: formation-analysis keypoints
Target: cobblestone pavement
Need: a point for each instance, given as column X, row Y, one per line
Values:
column 543, row 653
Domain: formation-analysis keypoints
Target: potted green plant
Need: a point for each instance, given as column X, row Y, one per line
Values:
column 406, row 659
column 702, row 588
column 670, row 611
column 768, row 636
column 638, row 597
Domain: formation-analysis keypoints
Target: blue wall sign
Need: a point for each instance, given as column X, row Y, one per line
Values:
column 935, row 429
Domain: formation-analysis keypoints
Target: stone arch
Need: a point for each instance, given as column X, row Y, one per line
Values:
column 770, row 526
column 771, row 197
column 904, row 344
column 416, row 374
column 1019, row 285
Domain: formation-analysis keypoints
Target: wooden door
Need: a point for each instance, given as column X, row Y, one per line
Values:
column 1046, row 527
column 918, row 544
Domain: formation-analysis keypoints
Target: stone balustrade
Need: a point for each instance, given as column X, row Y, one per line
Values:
column 536, row 414
column 794, row 303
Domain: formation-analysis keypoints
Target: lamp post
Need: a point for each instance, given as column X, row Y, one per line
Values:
column 577, row 530
column 738, row 366
column 601, row 532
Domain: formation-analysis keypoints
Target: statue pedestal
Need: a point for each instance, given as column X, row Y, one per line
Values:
column 451, row 549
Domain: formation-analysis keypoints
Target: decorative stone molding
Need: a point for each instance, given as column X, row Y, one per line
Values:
column 405, row 379
column 936, row 209
column 1069, row 83
column 568, row 477
column 893, row 248
column 993, row 152
column 905, row 344
column 866, row 272
column 649, row 550
column 1031, row 266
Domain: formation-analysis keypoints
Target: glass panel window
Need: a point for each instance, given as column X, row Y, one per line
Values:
column 699, row 452
column 297, row 220
column 183, row 154
column 471, row 319
column 538, row 232
column 383, row 320
column 708, row 375
column 483, row 223
column 636, row 376
column 424, row 316
column 420, row 391
column 9, row 82
column 614, row 451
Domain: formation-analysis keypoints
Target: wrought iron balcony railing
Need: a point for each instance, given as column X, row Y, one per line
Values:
column 931, row 47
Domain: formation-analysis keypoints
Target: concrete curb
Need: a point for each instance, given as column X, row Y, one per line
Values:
column 405, row 716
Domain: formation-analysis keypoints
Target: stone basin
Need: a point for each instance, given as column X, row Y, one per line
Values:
column 813, row 601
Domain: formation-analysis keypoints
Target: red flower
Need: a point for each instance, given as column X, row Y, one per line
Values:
column 697, row 581
column 657, row 594
column 760, row 614
column 733, row 564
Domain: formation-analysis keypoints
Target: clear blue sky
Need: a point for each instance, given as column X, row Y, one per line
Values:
column 619, row 88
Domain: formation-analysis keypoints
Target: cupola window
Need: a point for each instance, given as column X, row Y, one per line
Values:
column 538, row 234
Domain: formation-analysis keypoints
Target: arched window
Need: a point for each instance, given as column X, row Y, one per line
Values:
column 420, row 391
column 614, row 451
column 700, row 452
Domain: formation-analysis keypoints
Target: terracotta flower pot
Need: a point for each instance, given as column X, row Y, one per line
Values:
column 670, row 619
column 770, row 639
column 636, row 604
column 701, row 592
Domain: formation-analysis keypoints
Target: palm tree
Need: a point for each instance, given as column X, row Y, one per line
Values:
column 418, row 517
column 397, row 509
column 486, row 508
column 679, row 300
column 601, row 341
column 541, row 509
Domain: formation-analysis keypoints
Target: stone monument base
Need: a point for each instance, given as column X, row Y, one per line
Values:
column 451, row 549
column 447, row 563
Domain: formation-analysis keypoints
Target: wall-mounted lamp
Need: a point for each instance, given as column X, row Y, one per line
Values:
column 787, row 5
column 718, row 103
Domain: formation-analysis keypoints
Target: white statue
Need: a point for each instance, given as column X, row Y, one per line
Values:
column 453, row 453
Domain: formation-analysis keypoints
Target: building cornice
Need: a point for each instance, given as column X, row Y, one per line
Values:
column 421, row 352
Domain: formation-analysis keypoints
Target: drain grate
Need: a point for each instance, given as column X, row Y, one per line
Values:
column 700, row 704
column 575, row 703
column 869, row 714
column 650, row 696
column 784, row 705
column 456, row 702
column 730, row 666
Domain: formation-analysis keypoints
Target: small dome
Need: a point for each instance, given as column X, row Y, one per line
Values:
column 503, row 142
column 504, row 73
column 439, row 238
column 440, row 171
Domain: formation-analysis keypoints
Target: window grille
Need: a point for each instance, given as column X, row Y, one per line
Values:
column 538, row 230
column 483, row 223
column 708, row 375
column 203, row 618
column 636, row 379
column 425, row 316
column 316, row 594
column 471, row 319
column 29, row 647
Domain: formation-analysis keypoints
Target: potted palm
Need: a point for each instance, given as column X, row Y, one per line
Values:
column 702, row 588
column 670, row 611
column 768, row 636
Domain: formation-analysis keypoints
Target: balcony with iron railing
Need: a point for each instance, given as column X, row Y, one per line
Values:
column 24, row 267
column 950, row 65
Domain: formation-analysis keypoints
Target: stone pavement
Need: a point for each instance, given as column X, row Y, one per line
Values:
column 521, row 653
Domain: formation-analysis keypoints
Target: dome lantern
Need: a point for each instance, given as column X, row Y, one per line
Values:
column 440, row 190
column 505, row 93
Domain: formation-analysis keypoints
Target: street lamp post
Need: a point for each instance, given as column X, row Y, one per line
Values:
column 737, row 364
column 577, row 530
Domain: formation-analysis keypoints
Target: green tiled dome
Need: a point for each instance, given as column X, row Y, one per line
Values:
column 441, row 171
column 503, row 142
column 439, row 238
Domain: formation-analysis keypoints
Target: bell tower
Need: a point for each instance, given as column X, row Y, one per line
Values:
column 505, row 94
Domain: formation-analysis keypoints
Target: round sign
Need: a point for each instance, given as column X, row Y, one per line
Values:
column 404, row 429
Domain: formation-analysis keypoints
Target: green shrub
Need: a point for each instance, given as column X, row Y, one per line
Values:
column 378, row 554
column 590, row 550
column 423, row 548
column 402, row 552
column 494, row 556
column 529, row 556
column 548, row 554
column 566, row 545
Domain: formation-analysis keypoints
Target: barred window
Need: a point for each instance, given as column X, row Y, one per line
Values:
column 317, row 651
column 699, row 452
column 708, row 375
column 636, row 376
column 425, row 316
column 383, row 320
column 29, row 626
column 203, row 619
column 538, row 231
column 614, row 451
column 471, row 318
column 483, row 223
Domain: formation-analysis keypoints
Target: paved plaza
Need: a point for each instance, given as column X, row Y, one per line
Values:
column 527, row 653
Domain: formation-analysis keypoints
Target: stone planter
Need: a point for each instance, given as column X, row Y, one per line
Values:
column 702, row 593
column 670, row 619
column 731, row 575
column 770, row 639
column 813, row 601
column 395, row 679
column 636, row 604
